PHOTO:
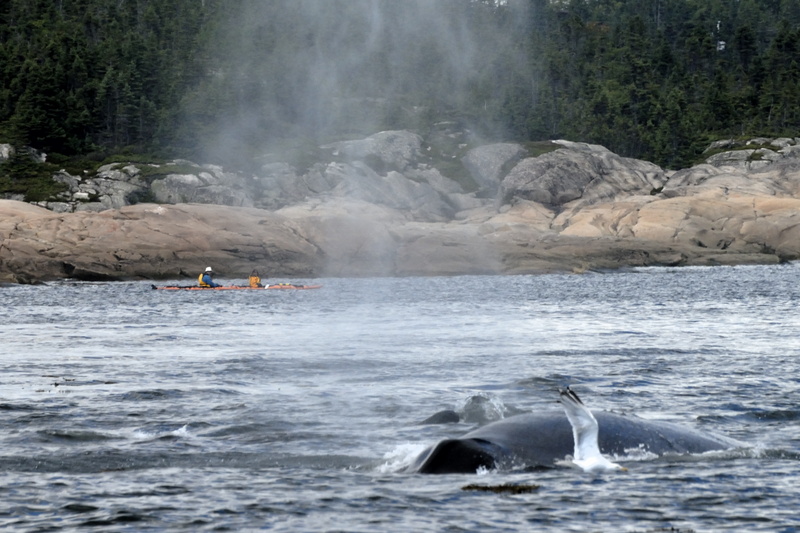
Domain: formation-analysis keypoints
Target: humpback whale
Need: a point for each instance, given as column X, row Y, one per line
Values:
column 541, row 439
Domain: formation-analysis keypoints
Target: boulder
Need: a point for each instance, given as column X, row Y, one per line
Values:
column 579, row 171
column 702, row 177
column 578, row 208
column 384, row 151
column 750, row 159
column 208, row 185
column 6, row 151
column 489, row 164
column 762, row 227
column 419, row 200
column 149, row 241
column 353, row 237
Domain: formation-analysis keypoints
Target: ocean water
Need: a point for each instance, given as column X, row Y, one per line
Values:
column 128, row 409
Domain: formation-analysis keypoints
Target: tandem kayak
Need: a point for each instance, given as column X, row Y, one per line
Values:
column 234, row 287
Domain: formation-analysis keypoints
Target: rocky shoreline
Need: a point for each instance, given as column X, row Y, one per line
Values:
column 381, row 206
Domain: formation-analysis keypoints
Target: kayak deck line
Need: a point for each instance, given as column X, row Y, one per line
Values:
column 234, row 287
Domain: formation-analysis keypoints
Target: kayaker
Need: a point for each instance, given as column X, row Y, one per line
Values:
column 255, row 280
column 206, row 279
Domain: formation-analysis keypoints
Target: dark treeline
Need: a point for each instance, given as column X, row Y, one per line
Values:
column 223, row 80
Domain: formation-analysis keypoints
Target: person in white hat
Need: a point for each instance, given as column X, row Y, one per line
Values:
column 206, row 279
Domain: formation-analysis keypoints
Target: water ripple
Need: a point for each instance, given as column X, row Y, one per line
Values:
column 127, row 409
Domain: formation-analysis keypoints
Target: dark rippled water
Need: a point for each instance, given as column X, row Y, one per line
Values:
column 128, row 409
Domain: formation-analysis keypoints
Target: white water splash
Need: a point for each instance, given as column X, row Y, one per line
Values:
column 401, row 457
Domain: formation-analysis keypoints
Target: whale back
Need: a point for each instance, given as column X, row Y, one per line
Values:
column 541, row 439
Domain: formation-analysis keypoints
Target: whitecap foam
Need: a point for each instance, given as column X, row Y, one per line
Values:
column 182, row 431
column 483, row 471
column 145, row 434
column 401, row 457
column 637, row 453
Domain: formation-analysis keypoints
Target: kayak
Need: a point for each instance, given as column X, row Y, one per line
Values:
column 235, row 287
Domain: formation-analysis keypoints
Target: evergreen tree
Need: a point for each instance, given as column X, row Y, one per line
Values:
column 224, row 80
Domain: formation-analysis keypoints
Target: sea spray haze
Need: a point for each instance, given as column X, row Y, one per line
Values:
column 310, row 69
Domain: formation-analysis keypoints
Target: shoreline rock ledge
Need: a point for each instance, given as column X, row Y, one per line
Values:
column 382, row 207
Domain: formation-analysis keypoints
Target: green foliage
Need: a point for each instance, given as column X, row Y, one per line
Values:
column 537, row 148
column 75, row 76
column 22, row 174
column 243, row 82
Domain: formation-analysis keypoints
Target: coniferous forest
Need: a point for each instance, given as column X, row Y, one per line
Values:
column 225, row 80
